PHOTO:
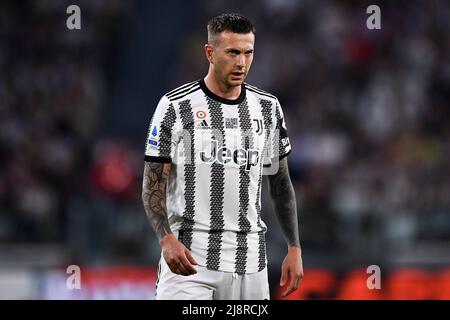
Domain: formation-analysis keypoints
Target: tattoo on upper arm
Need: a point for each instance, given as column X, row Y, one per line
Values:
column 154, row 196
column 283, row 197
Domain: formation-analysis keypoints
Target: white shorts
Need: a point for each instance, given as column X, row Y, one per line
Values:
column 211, row 285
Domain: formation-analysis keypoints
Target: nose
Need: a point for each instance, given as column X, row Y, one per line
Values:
column 241, row 61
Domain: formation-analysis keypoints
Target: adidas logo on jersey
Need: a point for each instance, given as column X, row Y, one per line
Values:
column 203, row 125
column 224, row 155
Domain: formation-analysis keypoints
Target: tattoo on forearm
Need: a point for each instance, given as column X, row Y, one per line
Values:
column 154, row 196
column 283, row 197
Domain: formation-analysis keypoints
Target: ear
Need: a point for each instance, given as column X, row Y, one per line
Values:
column 209, row 52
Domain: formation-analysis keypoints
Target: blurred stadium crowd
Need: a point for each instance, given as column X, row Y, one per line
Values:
column 367, row 113
column 53, row 89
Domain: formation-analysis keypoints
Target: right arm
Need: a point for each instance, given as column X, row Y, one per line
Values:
column 154, row 184
column 154, row 197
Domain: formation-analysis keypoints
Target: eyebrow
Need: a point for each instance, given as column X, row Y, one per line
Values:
column 237, row 50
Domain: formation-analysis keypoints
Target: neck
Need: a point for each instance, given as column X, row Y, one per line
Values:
column 221, row 89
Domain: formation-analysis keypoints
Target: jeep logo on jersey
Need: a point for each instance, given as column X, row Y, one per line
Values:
column 224, row 155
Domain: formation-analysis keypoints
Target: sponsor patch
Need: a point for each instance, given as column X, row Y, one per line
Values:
column 231, row 123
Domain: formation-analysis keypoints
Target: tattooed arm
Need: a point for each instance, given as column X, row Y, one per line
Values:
column 154, row 197
column 154, row 184
column 283, row 198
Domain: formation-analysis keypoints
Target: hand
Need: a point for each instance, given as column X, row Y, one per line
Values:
column 292, row 268
column 177, row 256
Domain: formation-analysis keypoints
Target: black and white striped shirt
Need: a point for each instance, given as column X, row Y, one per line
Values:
column 218, row 149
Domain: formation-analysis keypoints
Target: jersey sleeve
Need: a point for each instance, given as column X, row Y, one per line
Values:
column 279, row 145
column 162, row 133
column 284, row 145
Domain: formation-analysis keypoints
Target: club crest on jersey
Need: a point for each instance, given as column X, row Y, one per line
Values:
column 223, row 155
column 258, row 126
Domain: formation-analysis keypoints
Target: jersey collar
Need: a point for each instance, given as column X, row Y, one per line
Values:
column 210, row 94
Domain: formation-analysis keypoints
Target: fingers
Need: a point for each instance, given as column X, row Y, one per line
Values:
column 179, row 268
column 181, row 265
column 182, row 269
column 174, row 269
column 293, row 285
column 190, row 258
column 178, row 257
column 188, row 266
column 284, row 276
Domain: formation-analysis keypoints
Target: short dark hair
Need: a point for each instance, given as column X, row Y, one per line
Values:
column 232, row 22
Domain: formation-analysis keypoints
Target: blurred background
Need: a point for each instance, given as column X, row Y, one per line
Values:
column 367, row 111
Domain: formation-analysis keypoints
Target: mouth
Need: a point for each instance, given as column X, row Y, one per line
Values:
column 236, row 75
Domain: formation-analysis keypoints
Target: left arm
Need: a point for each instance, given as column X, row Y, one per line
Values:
column 283, row 198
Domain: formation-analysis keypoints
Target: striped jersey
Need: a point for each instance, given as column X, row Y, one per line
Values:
column 218, row 149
